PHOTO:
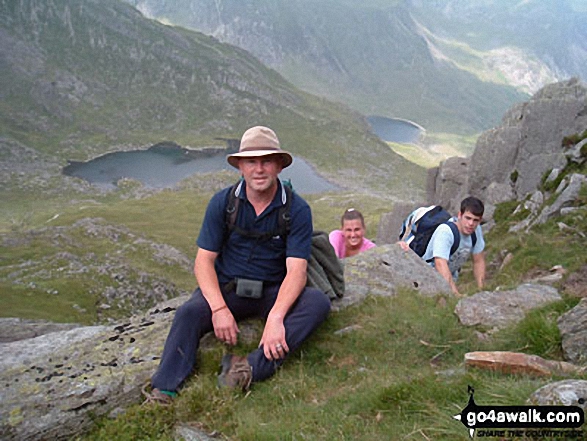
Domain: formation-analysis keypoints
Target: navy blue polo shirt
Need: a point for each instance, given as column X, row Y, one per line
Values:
column 249, row 258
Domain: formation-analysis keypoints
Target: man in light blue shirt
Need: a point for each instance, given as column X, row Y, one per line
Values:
column 437, row 254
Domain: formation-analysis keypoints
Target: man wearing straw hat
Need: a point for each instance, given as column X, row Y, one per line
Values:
column 252, row 270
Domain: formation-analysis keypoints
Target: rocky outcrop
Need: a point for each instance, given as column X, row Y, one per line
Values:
column 561, row 393
column 498, row 309
column 509, row 161
column 565, row 196
column 384, row 270
column 390, row 224
column 573, row 329
column 448, row 183
column 54, row 385
column 14, row 329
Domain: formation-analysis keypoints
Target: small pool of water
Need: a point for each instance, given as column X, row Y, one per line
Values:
column 164, row 167
column 395, row 130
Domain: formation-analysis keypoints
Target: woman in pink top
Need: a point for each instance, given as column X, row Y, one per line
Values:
column 350, row 239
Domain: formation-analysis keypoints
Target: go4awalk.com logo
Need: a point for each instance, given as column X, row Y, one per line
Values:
column 539, row 422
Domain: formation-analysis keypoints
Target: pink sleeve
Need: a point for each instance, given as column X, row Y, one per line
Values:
column 367, row 245
column 337, row 242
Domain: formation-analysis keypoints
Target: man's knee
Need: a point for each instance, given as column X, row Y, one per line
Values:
column 317, row 302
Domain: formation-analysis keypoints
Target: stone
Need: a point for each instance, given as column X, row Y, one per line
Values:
column 576, row 283
column 192, row 432
column 519, row 363
column 555, row 172
column 573, row 328
column 575, row 155
column 568, row 192
column 498, row 193
column 450, row 183
column 390, row 224
column 383, row 270
column 503, row 308
column 561, row 393
column 535, row 202
column 14, row 329
column 506, row 261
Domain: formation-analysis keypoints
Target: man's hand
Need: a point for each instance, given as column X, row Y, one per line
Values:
column 225, row 326
column 403, row 245
column 273, row 339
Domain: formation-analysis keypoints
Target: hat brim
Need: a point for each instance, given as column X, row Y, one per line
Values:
column 233, row 159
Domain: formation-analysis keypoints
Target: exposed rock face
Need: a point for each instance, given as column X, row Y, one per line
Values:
column 55, row 384
column 385, row 269
column 14, row 329
column 448, row 183
column 502, row 308
column 573, row 329
column 519, row 363
column 566, row 194
column 390, row 223
column 52, row 384
column 510, row 161
column 561, row 393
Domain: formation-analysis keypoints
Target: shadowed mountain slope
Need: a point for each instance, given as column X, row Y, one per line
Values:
column 80, row 78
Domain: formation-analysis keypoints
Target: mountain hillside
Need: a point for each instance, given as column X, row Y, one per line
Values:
column 407, row 59
column 80, row 78
column 551, row 35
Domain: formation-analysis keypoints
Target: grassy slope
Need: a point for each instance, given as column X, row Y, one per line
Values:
column 398, row 375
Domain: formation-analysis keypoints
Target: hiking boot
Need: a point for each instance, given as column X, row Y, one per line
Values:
column 236, row 372
column 156, row 396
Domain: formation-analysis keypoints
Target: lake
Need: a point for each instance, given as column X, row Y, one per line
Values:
column 395, row 129
column 164, row 167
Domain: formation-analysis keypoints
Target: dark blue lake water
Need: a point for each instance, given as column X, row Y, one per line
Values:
column 163, row 168
column 395, row 130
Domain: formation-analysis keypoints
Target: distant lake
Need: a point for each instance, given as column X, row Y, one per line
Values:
column 395, row 130
column 161, row 167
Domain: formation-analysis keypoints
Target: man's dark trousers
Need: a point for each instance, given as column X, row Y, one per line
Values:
column 194, row 319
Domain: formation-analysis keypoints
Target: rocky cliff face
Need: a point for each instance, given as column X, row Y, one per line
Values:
column 511, row 160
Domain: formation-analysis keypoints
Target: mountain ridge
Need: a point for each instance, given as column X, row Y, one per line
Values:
column 373, row 56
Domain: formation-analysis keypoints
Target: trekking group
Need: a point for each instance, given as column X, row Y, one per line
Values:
column 252, row 261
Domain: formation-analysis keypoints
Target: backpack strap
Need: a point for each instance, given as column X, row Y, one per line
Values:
column 457, row 237
column 283, row 220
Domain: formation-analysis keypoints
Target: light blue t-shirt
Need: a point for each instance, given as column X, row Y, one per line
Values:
column 441, row 242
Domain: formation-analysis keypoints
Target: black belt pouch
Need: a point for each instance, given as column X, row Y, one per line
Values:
column 250, row 289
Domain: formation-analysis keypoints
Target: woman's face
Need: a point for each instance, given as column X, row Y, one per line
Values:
column 353, row 232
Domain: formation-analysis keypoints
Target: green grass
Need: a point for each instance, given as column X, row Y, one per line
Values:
column 398, row 375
